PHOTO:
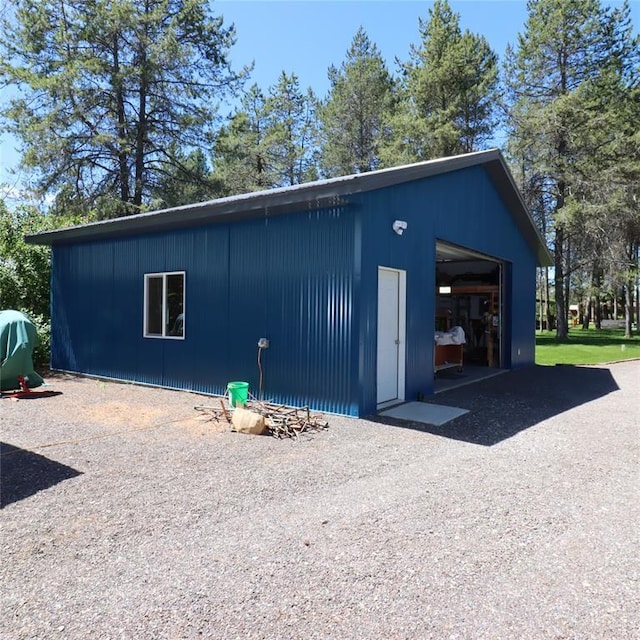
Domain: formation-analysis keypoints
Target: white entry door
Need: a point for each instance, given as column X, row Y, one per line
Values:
column 391, row 334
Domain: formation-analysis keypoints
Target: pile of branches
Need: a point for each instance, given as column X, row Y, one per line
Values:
column 289, row 422
column 282, row 421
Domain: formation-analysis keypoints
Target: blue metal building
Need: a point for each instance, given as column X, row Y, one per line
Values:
column 344, row 277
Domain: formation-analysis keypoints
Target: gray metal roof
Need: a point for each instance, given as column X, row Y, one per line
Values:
column 302, row 197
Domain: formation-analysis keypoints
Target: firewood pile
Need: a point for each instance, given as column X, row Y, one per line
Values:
column 291, row 422
column 281, row 421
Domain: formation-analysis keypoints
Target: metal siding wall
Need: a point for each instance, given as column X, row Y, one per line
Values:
column 62, row 343
column 179, row 357
column 246, row 305
column 143, row 361
column 462, row 208
column 523, row 313
column 97, row 293
column 77, row 304
column 82, row 297
column 309, row 310
column 414, row 253
column 205, row 363
column 197, row 361
column 126, row 309
column 287, row 278
column 101, row 308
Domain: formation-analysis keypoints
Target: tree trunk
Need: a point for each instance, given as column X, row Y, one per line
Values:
column 597, row 299
column 141, row 133
column 540, row 291
column 546, row 299
column 562, row 330
column 587, row 313
column 567, row 280
column 636, row 255
column 629, row 289
column 140, row 138
column 637, row 307
column 123, row 166
column 628, row 308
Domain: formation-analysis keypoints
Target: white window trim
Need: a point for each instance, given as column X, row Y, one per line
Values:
column 145, row 313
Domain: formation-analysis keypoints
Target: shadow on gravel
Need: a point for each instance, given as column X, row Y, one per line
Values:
column 24, row 473
column 507, row 404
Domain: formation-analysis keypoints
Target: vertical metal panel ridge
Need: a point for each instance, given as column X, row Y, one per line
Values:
column 309, row 309
column 128, row 307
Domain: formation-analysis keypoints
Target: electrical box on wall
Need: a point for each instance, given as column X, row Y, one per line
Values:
column 263, row 343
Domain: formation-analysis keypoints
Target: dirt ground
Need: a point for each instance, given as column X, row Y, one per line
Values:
column 122, row 405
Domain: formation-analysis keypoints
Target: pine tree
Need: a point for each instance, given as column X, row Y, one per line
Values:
column 568, row 47
column 357, row 110
column 270, row 141
column 292, row 133
column 240, row 150
column 603, row 211
column 186, row 181
column 110, row 87
column 449, row 91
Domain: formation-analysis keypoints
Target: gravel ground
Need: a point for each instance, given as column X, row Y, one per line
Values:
column 125, row 516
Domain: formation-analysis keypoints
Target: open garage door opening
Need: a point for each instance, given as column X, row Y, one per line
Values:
column 469, row 310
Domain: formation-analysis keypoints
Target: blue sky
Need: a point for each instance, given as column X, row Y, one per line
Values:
column 307, row 36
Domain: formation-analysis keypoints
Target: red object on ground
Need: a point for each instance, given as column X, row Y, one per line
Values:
column 25, row 392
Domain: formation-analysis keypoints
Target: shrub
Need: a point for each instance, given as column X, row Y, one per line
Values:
column 42, row 353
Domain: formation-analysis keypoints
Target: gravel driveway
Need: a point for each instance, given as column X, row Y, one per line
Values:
column 127, row 516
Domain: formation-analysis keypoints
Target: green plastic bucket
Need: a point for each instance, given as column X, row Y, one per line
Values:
column 238, row 393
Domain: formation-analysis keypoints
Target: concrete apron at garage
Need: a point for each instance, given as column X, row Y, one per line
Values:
column 452, row 379
column 437, row 414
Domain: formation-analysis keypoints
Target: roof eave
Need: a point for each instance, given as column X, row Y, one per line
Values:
column 310, row 196
column 271, row 202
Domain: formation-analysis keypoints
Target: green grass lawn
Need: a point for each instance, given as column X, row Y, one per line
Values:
column 586, row 347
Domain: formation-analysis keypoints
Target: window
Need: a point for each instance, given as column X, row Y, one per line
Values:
column 164, row 305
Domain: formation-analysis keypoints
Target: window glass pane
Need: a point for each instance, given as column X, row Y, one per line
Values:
column 154, row 306
column 175, row 301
